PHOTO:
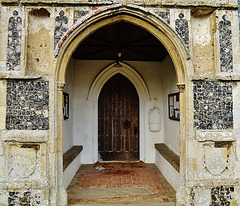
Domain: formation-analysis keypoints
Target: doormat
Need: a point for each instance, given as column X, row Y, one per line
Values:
column 118, row 165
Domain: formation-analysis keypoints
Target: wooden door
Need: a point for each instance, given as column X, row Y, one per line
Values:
column 118, row 120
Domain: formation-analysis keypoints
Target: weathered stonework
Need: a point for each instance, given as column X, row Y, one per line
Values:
column 39, row 42
column 213, row 196
column 181, row 26
column 78, row 14
column 14, row 42
column 26, row 198
column 218, row 160
column 225, row 39
column 213, row 105
column 203, row 38
column 33, row 76
column 24, row 161
column 27, row 105
column 164, row 15
column 222, row 195
column 239, row 16
column 61, row 26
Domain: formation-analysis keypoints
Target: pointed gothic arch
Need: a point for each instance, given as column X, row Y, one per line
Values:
column 141, row 88
column 148, row 21
column 126, row 71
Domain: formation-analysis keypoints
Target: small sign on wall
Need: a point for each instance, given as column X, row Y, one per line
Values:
column 65, row 105
column 174, row 106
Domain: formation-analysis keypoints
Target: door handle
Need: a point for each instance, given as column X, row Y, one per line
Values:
column 126, row 124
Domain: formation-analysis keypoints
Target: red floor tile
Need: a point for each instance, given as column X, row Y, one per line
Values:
column 114, row 178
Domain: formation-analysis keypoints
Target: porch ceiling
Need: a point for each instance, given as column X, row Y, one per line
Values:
column 121, row 41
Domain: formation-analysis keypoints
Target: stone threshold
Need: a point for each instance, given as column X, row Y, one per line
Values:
column 70, row 155
column 169, row 155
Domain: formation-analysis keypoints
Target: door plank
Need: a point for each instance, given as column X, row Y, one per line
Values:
column 118, row 120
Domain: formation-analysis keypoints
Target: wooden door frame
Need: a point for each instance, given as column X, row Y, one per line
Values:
column 143, row 94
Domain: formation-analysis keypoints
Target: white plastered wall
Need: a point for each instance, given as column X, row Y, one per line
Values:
column 171, row 127
column 68, row 123
column 81, row 125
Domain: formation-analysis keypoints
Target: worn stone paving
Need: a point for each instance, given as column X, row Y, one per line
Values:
column 129, row 184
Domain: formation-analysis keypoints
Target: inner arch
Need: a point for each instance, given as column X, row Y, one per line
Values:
column 93, row 53
column 121, row 68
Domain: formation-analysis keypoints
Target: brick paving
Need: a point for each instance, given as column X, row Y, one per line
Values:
column 119, row 183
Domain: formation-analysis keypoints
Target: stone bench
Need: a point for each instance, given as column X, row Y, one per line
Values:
column 169, row 155
column 71, row 163
column 70, row 155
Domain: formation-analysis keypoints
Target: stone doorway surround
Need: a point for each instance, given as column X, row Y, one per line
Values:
column 135, row 15
column 142, row 90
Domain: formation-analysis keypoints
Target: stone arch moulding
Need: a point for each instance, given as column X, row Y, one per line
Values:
column 139, row 17
column 110, row 71
column 113, row 14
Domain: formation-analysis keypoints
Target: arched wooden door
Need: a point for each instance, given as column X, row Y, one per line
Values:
column 118, row 120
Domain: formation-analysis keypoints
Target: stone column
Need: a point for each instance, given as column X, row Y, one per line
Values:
column 181, row 192
column 3, row 89
column 62, row 195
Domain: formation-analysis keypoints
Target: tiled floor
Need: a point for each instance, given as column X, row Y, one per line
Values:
column 119, row 183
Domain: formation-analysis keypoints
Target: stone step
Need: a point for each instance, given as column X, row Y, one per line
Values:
column 141, row 203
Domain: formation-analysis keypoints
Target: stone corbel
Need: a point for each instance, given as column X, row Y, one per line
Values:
column 60, row 86
column 181, row 87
